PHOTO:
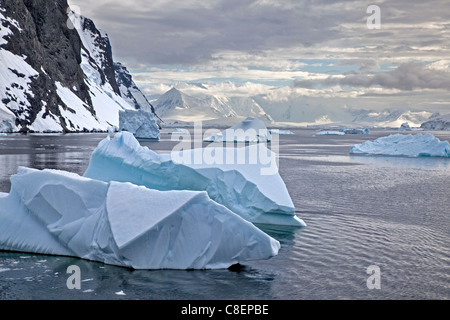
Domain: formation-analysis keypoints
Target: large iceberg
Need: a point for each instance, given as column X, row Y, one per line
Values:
column 60, row 213
column 437, row 122
column 418, row 145
column 249, row 130
column 140, row 122
column 250, row 187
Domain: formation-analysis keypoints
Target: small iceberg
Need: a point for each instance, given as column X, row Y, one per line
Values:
column 330, row 132
column 141, row 123
column 356, row 131
column 245, row 180
column 249, row 130
column 409, row 145
column 179, row 131
column 60, row 213
column 405, row 127
column 280, row 131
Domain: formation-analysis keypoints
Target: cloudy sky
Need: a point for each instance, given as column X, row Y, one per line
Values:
column 314, row 48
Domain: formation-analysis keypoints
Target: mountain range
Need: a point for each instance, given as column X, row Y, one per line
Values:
column 174, row 105
column 177, row 106
column 57, row 71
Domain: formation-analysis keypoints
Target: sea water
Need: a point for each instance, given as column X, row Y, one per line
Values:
column 377, row 228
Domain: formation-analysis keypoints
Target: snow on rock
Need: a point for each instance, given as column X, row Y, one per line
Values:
column 60, row 213
column 437, row 122
column 418, row 145
column 252, row 189
column 141, row 123
column 249, row 130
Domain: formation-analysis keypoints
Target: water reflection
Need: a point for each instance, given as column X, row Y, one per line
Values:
column 61, row 152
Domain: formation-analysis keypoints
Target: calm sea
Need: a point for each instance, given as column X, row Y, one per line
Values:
column 377, row 228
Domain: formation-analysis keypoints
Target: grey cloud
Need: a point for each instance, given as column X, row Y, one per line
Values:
column 187, row 32
column 407, row 76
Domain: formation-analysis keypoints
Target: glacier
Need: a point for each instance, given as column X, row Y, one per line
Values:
column 410, row 145
column 140, row 123
column 249, row 130
column 251, row 188
column 61, row 213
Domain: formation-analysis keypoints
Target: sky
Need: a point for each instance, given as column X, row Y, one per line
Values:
column 382, row 54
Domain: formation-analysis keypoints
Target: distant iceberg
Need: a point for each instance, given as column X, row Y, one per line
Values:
column 179, row 131
column 330, row 132
column 250, row 188
column 280, row 131
column 60, row 213
column 437, row 122
column 249, row 130
column 141, row 123
column 405, row 127
column 409, row 145
column 355, row 131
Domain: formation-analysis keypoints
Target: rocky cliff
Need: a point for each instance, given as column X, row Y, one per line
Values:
column 56, row 70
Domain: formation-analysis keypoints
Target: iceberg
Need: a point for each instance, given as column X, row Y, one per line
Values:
column 280, row 131
column 355, row 131
column 61, row 213
column 140, row 122
column 331, row 133
column 179, row 131
column 405, row 127
column 249, row 188
column 417, row 145
column 249, row 130
column 437, row 122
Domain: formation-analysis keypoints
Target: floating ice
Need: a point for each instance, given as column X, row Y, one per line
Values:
column 179, row 131
column 252, row 189
column 405, row 127
column 249, row 130
column 330, row 132
column 60, row 213
column 280, row 131
column 418, row 145
column 141, row 123
column 355, row 131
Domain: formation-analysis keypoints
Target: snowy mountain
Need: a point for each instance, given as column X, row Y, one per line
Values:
column 178, row 106
column 391, row 118
column 57, row 71
column 437, row 122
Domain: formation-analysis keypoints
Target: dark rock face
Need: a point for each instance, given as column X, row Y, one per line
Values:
column 51, row 48
column 41, row 31
column 130, row 92
column 104, row 63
